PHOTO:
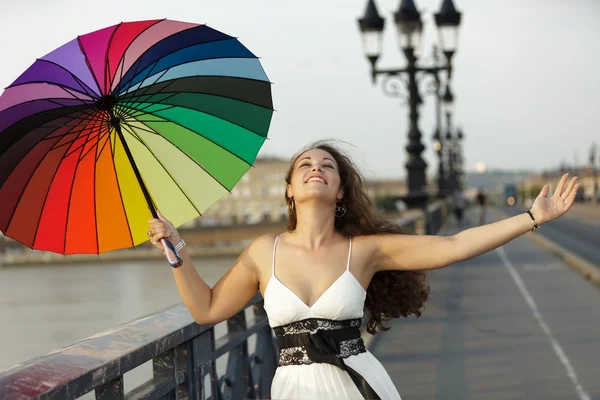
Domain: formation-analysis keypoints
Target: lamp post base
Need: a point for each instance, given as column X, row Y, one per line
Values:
column 415, row 200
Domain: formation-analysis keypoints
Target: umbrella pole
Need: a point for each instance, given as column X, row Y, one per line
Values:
column 170, row 252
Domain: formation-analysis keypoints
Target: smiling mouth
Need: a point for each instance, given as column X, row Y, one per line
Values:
column 316, row 179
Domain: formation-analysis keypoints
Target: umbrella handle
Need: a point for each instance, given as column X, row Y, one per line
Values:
column 171, row 253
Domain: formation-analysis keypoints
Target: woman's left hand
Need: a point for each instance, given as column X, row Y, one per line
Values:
column 546, row 209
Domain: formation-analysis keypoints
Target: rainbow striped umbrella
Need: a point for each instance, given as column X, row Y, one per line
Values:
column 115, row 123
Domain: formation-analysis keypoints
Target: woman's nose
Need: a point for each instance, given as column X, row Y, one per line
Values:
column 317, row 168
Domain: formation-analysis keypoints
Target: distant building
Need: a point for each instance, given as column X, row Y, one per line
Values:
column 260, row 195
column 385, row 188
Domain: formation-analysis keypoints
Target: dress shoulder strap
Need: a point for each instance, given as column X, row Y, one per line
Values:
column 273, row 263
column 349, row 256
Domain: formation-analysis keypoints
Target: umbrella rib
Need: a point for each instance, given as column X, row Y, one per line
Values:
column 129, row 130
column 72, row 183
column 75, row 97
column 142, row 129
column 199, row 134
column 103, row 146
column 89, row 65
column 194, row 161
column 203, row 112
column 119, row 186
column 63, row 125
column 150, row 104
column 55, row 101
column 139, row 112
column 182, row 48
column 49, row 133
column 129, row 84
column 93, row 116
column 85, row 111
column 89, row 137
column 145, row 89
column 134, row 94
column 151, row 95
column 93, row 94
column 69, row 141
column 85, row 87
column 25, row 188
column 106, row 60
column 204, row 59
column 100, row 131
column 33, row 101
column 122, row 59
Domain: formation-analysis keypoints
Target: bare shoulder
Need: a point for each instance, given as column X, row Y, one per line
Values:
column 258, row 254
column 364, row 249
column 261, row 245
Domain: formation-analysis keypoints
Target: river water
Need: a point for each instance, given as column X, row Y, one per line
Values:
column 44, row 308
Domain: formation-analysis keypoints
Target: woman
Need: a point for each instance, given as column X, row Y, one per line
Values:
column 335, row 260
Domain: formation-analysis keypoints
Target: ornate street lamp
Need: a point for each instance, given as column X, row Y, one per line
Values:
column 460, row 167
column 448, row 21
column 593, row 157
column 409, row 28
column 371, row 25
column 448, row 100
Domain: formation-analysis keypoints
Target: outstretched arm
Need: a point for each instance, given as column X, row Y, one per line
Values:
column 419, row 252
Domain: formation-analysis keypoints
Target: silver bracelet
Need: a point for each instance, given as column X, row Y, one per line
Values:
column 179, row 245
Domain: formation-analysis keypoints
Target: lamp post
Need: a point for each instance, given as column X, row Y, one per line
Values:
column 438, row 145
column 439, row 148
column 448, row 100
column 409, row 27
column 460, row 167
column 593, row 150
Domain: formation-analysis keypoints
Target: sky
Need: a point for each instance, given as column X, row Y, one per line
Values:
column 525, row 80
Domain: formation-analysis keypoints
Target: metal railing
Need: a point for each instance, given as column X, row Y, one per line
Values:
column 183, row 355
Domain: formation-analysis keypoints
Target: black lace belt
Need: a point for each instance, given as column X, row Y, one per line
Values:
column 316, row 340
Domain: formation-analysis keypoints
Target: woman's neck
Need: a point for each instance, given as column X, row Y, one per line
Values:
column 315, row 226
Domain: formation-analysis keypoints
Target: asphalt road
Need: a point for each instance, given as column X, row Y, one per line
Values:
column 514, row 323
column 581, row 238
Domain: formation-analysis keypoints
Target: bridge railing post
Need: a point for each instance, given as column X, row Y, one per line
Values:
column 234, row 384
column 264, row 361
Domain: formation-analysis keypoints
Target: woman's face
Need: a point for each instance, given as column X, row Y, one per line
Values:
column 315, row 175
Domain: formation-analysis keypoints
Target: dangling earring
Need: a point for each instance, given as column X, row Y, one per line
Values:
column 290, row 205
column 340, row 209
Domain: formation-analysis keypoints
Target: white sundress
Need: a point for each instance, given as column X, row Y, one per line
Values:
column 343, row 300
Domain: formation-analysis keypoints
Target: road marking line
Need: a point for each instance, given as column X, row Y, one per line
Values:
column 560, row 353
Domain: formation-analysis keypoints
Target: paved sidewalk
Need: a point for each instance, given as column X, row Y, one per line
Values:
column 514, row 323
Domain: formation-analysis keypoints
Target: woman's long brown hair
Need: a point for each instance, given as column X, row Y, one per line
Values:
column 391, row 294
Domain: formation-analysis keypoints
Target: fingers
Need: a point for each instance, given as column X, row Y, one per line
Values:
column 157, row 230
column 570, row 200
column 561, row 185
column 570, row 188
column 544, row 191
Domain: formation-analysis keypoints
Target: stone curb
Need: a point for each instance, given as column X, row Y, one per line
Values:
column 590, row 271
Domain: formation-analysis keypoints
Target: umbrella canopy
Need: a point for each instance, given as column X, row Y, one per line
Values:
column 99, row 132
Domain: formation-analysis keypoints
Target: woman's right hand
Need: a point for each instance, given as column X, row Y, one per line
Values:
column 162, row 228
